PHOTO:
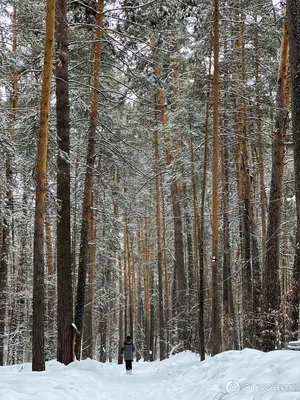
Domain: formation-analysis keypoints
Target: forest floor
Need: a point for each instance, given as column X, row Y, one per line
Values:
column 247, row 374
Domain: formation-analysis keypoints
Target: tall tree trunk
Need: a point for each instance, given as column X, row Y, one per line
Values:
column 260, row 154
column 147, row 293
column 88, row 184
column 200, row 224
column 152, row 329
column 38, row 353
column 130, row 286
column 244, row 193
column 180, row 281
column 104, row 313
column 120, row 277
column 14, row 98
column 293, row 14
column 88, row 328
column 257, row 270
column 188, row 284
column 50, row 323
column 64, row 260
column 49, row 244
column 161, row 318
column 7, row 223
column 180, row 297
column 215, row 319
column 128, row 278
column 191, row 284
column 75, row 218
column 271, row 293
column 229, row 337
column 138, row 319
column 23, row 275
column 166, row 289
column 121, row 312
column 195, row 233
column 229, row 334
column 226, row 247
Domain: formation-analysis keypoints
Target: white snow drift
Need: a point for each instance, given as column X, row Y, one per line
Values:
column 247, row 374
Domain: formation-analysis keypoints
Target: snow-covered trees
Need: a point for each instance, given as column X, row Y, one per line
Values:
column 163, row 239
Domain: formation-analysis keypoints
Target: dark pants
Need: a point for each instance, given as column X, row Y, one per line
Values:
column 128, row 365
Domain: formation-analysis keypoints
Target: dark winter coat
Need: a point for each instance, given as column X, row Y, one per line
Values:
column 128, row 350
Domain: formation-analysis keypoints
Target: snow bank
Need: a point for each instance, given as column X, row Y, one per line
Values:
column 247, row 374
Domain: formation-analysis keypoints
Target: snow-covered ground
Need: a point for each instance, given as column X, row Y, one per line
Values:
column 247, row 374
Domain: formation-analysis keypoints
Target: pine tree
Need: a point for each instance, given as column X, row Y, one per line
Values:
column 64, row 271
column 38, row 355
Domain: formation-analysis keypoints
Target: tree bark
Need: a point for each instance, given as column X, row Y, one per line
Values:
column 161, row 318
column 38, row 356
column 88, row 184
column 229, row 336
column 260, row 155
column 88, row 329
column 147, row 294
column 244, row 194
column 215, row 318
column 293, row 14
column 64, row 261
column 271, row 292
column 7, row 222
column 50, row 320
column 166, row 289
column 139, row 303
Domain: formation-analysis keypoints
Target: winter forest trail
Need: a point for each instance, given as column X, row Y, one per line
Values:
column 243, row 375
column 91, row 380
column 144, row 384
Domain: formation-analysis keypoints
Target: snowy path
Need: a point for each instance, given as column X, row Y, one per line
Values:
column 243, row 375
column 90, row 380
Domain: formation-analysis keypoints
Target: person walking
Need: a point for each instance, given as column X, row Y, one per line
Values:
column 128, row 350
